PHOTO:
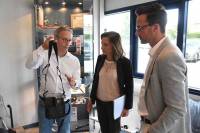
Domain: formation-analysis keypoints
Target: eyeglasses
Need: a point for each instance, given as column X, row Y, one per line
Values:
column 141, row 28
column 66, row 39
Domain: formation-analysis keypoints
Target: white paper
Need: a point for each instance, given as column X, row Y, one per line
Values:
column 118, row 106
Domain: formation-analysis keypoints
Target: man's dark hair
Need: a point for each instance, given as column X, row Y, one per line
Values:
column 156, row 14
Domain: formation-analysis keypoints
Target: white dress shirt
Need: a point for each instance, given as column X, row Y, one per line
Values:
column 142, row 109
column 69, row 65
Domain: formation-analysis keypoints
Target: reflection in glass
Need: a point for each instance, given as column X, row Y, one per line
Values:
column 192, row 54
column 88, row 43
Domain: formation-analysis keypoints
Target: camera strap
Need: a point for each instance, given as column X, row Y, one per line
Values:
column 53, row 44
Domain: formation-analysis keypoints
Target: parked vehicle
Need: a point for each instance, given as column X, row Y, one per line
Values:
column 192, row 50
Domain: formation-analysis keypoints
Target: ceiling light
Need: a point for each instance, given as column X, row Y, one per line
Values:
column 63, row 3
column 46, row 2
column 80, row 3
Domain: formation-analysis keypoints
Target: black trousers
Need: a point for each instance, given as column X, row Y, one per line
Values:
column 106, row 119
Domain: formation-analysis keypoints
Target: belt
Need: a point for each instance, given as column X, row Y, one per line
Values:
column 145, row 120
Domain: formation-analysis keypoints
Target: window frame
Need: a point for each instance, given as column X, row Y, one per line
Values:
column 182, row 6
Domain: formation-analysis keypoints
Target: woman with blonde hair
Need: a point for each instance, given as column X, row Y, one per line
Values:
column 112, row 79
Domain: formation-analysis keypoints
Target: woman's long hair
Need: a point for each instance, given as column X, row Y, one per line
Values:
column 115, row 39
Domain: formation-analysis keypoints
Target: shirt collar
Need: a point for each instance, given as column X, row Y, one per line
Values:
column 68, row 54
column 153, row 50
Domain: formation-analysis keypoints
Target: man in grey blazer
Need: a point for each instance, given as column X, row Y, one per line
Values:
column 163, row 100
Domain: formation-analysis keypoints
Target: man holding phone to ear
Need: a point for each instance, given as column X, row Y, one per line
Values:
column 69, row 70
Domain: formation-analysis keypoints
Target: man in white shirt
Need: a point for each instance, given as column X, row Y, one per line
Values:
column 69, row 67
column 163, row 99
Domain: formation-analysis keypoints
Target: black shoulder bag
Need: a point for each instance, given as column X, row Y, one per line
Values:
column 55, row 104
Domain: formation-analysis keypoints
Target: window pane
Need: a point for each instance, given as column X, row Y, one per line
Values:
column 171, row 32
column 88, row 45
column 192, row 54
column 120, row 23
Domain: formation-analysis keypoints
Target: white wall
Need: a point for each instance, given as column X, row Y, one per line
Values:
column 17, row 83
column 116, row 4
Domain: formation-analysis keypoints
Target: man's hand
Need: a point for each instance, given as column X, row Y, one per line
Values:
column 71, row 81
column 45, row 45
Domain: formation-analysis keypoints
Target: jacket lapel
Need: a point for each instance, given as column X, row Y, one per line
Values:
column 100, row 63
column 149, row 71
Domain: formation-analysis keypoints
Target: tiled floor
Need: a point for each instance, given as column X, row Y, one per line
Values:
column 35, row 130
column 32, row 130
column 22, row 130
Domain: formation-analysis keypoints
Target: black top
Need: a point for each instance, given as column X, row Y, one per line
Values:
column 125, row 80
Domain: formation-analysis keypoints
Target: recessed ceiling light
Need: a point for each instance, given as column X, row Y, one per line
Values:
column 46, row 2
column 63, row 3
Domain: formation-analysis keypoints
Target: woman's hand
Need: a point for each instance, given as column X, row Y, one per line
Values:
column 89, row 106
column 125, row 113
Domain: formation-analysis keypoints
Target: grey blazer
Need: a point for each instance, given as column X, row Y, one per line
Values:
column 166, row 94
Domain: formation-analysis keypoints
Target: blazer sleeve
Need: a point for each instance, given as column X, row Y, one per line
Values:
column 128, row 85
column 172, row 74
column 94, row 83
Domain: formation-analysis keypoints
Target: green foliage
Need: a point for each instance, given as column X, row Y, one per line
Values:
column 193, row 35
column 87, row 36
column 172, row 34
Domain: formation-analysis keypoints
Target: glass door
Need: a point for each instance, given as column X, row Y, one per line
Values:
column 192, row 54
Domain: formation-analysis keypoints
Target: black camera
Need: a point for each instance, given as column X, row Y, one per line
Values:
column 53, row 44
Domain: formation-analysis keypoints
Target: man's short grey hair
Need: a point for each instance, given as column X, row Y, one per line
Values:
column 60, row 29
